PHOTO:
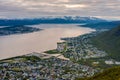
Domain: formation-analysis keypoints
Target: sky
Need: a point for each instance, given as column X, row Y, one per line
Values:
column 109, row 9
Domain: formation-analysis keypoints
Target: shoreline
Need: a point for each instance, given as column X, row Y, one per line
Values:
column 16, row 45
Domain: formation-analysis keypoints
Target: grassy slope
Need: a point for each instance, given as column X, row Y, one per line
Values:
column 110, row 42
column 109, row 74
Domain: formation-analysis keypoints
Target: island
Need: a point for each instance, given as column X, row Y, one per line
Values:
column 17, row 29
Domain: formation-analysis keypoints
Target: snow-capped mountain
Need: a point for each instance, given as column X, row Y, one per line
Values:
column 50, row 20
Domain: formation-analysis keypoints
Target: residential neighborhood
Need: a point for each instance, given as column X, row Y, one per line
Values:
column 66, row 62
column 34, row 68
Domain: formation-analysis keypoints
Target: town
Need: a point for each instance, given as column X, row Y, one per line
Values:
column 82, row 59
column 33, row 68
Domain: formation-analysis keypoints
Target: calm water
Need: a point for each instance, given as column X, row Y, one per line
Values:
column 41, row 41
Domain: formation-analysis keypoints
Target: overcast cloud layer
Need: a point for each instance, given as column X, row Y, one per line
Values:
column 38, row 8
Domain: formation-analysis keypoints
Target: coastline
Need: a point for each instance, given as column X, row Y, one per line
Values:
column 44, row 40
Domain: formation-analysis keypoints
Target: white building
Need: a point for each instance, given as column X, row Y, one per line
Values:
column 109, row 62
column 61, row 46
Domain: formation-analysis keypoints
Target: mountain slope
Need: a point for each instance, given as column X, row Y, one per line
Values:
column 110, row 42
column 109, row 74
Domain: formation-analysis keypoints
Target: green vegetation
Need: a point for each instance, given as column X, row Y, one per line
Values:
column 95, row 63
column 110, row 42
column 24, row 58
column 16, row 69
column 52, row 51
column 109, row 74
column 31, row 58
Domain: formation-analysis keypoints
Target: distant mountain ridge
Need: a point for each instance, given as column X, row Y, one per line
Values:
column 103, row 25
column 50, row 20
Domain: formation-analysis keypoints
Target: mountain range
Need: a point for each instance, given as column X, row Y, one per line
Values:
column 50, row 20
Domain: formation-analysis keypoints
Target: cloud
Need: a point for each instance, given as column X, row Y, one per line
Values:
column 37, row 8
column 76, row 6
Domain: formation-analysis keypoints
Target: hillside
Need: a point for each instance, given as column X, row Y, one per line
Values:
column 110, row 42
column 109, row 74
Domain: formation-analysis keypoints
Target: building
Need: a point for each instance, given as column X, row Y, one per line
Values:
column 61, row 46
